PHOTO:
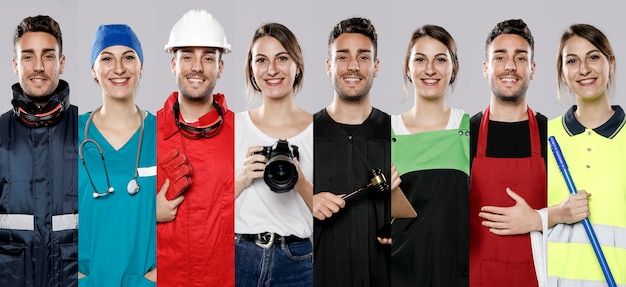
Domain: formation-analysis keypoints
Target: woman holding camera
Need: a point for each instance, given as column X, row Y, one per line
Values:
column 274, row 167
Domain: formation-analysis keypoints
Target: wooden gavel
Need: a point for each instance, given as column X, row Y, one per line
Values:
column 377, row 181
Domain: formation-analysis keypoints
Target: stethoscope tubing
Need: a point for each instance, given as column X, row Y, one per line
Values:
column 110, row 189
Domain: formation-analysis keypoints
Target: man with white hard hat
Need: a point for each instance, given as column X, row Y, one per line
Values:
column 195, row 140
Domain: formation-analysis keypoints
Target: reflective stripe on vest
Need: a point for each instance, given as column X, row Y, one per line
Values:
column 554, row 281
column 575, row 233
column 571, row 256
column 17, row 221
column 27, row 222
column 64, row 222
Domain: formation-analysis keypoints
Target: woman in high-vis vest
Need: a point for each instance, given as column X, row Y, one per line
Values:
column 593, row 144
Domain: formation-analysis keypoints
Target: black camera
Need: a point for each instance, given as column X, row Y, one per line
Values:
column 280, row 173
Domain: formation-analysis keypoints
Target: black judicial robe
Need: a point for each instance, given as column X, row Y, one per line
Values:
column 346, row 251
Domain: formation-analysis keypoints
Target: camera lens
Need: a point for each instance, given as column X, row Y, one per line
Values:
column 280, row 174
column 280, row 171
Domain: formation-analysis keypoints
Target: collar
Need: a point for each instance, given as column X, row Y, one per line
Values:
column 33, row 115
column 60, row 94
column 608, row 129
column 169, row 127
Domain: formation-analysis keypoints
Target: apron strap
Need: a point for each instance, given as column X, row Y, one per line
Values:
column 535, row 143
column 481, row 147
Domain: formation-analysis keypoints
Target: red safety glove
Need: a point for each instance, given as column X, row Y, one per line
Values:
column 178, row 170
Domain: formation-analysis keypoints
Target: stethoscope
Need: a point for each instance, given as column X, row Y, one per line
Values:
column 133, row 185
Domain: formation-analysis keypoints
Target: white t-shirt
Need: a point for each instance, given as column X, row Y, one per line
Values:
column 456, row 116
column 257, row 208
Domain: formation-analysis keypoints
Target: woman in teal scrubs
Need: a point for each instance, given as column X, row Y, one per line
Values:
column 117, row 173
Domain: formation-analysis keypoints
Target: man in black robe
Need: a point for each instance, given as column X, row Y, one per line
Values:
column 351, row 238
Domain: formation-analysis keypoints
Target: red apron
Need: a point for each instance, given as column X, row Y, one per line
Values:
column 504, row 260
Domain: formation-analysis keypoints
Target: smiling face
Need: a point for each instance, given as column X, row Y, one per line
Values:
column 37, row 64
column 430, row 67
column 585, row 69
column 352, row 66
column 509, row 68
column 197, row 70
column 117, row 69
column 273, row 68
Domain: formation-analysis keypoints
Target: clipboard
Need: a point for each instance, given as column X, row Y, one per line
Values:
column 400, row 205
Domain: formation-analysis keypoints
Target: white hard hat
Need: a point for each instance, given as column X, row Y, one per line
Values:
column 197, row 28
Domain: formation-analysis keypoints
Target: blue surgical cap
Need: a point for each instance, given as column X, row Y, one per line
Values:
column 113, row 35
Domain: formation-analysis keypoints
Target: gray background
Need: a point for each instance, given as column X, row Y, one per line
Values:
column 468, row 21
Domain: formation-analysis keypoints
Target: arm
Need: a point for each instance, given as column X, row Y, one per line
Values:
column 304, row 186
column 253, row 167
column 571, row 210
column 522, row 219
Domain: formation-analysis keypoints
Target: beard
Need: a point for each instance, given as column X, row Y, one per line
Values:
column 357, row 98
column 506, row 96
column 511, row 98
column 194, row 94
column 348, row 96
column 33, row 93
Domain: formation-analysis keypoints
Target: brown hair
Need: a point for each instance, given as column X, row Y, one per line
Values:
column 39, row 23
column 288, row 40
column 596, row 38
column 440, row 34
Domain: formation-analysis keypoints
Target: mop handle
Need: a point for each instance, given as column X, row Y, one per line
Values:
column 560, row 161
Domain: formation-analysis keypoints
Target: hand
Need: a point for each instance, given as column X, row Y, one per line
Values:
column 386, row 241
column 517, row 219
column 395, row 177
column 571, row 210
column 325, row 204
column 253, row 167
column 166, row 209
column 151, row 275
column 80, row 275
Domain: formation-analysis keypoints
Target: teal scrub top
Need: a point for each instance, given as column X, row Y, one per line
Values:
column 117, row 232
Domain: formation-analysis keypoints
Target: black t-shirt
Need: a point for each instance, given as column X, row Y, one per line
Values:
column 508, row 140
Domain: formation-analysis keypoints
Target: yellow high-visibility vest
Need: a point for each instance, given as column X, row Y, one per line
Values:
column 598, row 165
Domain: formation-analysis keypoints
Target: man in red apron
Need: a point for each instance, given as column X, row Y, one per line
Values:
column 508, row 175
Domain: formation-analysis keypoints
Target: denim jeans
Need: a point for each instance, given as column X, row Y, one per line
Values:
column 288, row 265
